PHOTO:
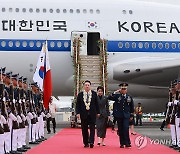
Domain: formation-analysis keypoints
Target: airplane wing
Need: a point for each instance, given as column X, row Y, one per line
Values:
column 156, row 71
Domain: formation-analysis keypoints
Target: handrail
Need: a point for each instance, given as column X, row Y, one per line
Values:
column 103, row 58
column 77, row 66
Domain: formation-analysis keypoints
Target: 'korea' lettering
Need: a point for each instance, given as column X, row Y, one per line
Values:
column 148, row 27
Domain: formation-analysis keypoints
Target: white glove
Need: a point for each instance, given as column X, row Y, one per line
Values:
column 14, row 101
column 4, row 99
column 24, row 100
column 20, row 101
column 176, row 102
column 169, row 103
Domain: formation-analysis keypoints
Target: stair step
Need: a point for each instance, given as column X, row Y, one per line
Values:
column 84, row 72
column 89, row 57
column 89, row 69
column 90, row 62
column 90, row 65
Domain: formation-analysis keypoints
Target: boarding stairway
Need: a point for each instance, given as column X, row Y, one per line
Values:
column 89, row 67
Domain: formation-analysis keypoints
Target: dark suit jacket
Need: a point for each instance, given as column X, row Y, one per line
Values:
column 103, row 106
column 81, row 108
column 123, row 107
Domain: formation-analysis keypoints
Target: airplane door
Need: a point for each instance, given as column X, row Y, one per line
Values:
column 83, row 37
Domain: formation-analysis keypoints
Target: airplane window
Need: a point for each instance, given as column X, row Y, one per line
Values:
column 140, row 45
column 38, row 43
column 37, row 10
column 17, row 43
column 52, row 44
column 59, row 44
column 127, row 71
column 44, row 10
column 30, row 10
column 57, row 10
column 127, row 44
column 64, row 10
column 3, row 9
column 160, row 45
column 31, row 44
column 133, row 45
column 10, row 43
column 51, row 10
column 24, row 44
column 91, row 11
column 153, row 45
column 98, row 11
column 3, row 43
column 173, row 45
column 24, row 10
column 77, row 11
column 10, row 9
column 167, row 45
column 84, row 11
column 124, row 11
column 130, row 12
column 146, row 45
column 17, row 9
column 66, row 44
column 120, row 44
column 71, row 10
column 179, row 45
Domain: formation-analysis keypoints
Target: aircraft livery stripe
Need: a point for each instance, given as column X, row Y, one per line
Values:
column 112, row 46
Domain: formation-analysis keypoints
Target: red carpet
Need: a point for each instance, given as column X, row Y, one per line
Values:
column 69, row 141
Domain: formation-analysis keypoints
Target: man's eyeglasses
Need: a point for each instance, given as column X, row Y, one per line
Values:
column 123, row 88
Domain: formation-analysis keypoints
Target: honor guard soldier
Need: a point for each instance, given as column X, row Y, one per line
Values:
column 4, row 114
column 23, row 93
column 1, row 134
column 172, row 115
column 177, row 114
column 122, row 109
column 13, row 124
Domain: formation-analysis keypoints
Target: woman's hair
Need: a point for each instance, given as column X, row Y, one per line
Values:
column 100, row 87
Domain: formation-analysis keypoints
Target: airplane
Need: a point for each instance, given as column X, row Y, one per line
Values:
column 143, row 42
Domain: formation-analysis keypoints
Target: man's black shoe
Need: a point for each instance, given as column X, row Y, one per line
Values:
column 21, row 150
column 128, row 146
column 33, row 143
column 86, row 146
column 49, row 132
column 91, row 145
column 26, row 147
column 121, row 146
column 162, row 129
column 15, row 152
column 54, row 131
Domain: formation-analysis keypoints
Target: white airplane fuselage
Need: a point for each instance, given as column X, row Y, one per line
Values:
column 143, row 42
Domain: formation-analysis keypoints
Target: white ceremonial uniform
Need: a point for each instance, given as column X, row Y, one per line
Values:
column 31, row 127
column 19, row 135
column 13, row 132
column 6, row 136
column 41, row 129
column 24, row 131
column 177, row 122
column 173, row 129
column 37, row 128
column 2, row 139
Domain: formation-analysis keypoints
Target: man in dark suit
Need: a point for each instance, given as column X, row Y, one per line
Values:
column 122, row 109
column 87, row 110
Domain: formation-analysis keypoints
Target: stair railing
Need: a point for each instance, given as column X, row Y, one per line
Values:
column 103, row 64
column 77, row 66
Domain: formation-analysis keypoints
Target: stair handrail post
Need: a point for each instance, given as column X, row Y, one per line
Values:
column 103, row 66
